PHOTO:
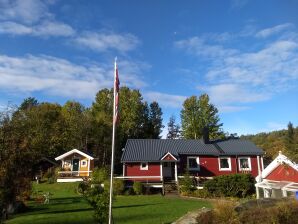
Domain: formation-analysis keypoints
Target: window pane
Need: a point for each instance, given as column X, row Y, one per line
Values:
column 224, row 163
column 244, row 164
column 192, row 163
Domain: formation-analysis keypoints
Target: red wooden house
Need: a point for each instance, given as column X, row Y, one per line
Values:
column 156, row 160
column 278, row 179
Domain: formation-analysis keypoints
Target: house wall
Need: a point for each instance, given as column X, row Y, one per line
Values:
column 283, row 173
column 209, row 166
column 133, row 169
column 81, row 158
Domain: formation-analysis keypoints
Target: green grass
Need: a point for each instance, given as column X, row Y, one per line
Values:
column 66, row 206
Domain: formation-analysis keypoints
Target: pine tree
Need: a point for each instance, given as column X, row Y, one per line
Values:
column 155, row 120
column 173, row 129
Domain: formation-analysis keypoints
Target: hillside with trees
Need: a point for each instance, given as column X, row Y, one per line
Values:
column 34, row 130
column 275, row 141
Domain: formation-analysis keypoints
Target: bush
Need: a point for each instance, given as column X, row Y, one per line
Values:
column 234, row 185
column 201, row 193
column 82, row 187
column 129, row 191
column 186, row 185
column 138, row 188
column 118, row 187
column 99, row 175
column 98, row 198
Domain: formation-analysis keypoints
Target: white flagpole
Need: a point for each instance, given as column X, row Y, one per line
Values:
column 113, row 148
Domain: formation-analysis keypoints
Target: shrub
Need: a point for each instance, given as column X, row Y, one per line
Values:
column 129, row 191
column 138, row 188
column 51, row 180
column 99, row 175
column 234, row 185
column 118, row 187
column 186, row 185
column 83, row 187
column 201, row 193
column 98, row 198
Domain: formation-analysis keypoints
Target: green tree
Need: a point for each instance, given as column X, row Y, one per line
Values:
column 173, row 129
column 198, row 114
column 77, row 125
column 155, row 121
column 291, row 143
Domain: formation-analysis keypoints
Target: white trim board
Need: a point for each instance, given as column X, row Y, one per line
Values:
column 72, row 152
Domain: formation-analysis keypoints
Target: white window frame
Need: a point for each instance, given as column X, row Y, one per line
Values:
column 86, row 163
column 229, row 162
column 197, row 161
column 249, row 163
column 144, row 168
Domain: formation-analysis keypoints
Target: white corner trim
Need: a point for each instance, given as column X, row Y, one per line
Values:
column 229, row 162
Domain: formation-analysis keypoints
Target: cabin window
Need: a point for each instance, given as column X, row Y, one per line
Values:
column 224, row 163
column 193, row 163
column 144, row 166
column 244, row 163
column 83, row 163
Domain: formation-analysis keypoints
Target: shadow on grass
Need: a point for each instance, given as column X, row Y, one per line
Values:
column 132, row 206
column 67, row 211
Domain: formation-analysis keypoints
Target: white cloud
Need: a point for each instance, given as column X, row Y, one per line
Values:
column 46, row 28
column 60, row 77
column 232, row 93
column 199, row 47
column 100, row 41
column 165, row 100
column 235, row 77
column 26, row 11
column 274, row 30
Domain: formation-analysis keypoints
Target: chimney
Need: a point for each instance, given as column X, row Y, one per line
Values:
column 206, row 135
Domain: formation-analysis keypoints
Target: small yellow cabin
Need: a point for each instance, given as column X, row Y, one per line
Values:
column 75, row 165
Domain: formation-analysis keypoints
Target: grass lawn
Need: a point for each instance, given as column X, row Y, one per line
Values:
column 66, row 206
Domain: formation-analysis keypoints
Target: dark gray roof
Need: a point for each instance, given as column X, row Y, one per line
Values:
column 139, row 150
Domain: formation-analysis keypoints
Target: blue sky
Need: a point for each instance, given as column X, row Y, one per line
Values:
column 244, row 54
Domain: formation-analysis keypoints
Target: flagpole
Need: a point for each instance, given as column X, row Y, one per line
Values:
column 113, row 147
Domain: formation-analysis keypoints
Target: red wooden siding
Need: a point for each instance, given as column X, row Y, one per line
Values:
column 283, row 173
column 133, row 169
column 209, row 166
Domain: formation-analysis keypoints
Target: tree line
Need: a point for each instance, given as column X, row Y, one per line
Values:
column 272, row 142
column 34, row 130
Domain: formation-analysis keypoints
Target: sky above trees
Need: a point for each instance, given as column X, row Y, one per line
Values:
column 244, row 54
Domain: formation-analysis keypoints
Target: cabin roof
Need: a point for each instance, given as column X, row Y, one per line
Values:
column 138, row 150
column 72, row 152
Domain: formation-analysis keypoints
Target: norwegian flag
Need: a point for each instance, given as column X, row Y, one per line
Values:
column 116, row 94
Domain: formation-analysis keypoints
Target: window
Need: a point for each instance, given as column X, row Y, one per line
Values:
column 83, row 163
column 224, row 163
column 244, row 163
column 193, row 163
column 144, row 166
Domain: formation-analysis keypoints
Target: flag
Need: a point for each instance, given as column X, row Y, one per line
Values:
column 116, row 92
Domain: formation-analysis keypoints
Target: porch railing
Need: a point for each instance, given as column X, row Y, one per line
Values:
column 142, row 178
column 65, row 174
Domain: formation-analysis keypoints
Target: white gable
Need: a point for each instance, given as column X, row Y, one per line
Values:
column 72, row 152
